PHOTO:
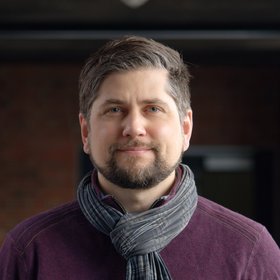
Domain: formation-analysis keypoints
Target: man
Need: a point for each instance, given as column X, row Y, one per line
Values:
column 138, row 215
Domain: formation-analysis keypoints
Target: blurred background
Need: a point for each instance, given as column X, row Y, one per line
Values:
column 233, row 51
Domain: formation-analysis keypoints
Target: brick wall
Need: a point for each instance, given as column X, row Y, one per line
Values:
column 40, row 141
column 236, row 105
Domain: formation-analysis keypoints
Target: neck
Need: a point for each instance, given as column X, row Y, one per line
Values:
column 138, row 200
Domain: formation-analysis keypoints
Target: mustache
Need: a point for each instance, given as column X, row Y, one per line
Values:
column 133, row 144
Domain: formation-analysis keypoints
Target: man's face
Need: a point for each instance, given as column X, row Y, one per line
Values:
column 134, row 135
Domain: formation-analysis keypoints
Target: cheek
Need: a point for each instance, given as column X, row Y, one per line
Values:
column 101, row 139
column 102, row 132
column 172, row 139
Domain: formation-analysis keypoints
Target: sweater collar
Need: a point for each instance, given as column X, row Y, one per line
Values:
column 111, row 201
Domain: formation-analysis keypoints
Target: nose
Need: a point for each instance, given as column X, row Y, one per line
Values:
column 134, row 125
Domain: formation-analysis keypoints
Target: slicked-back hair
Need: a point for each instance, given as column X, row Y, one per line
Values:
column 132, row 53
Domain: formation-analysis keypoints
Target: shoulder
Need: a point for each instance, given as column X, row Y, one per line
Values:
column 232, row 234
column 63, row 217
column 228, row 221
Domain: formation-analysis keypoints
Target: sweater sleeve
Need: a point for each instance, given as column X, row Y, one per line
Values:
column 264, row 262
column 12, row 265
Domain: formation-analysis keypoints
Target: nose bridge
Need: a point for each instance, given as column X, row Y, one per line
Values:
column 134, row 123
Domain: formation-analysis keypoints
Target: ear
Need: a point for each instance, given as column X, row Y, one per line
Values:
column 84, row 133
column 187, row 128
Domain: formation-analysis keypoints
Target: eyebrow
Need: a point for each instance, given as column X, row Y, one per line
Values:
column 154, row 101
column 146, row 101
column 113, row 101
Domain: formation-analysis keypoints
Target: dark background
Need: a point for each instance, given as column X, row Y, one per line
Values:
column 233, row 51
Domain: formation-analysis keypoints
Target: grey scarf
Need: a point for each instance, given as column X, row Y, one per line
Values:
column 139, row 237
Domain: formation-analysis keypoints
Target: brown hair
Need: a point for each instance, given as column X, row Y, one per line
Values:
column 131, row 53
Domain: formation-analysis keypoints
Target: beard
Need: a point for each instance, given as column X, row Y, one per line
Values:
column 132, row 175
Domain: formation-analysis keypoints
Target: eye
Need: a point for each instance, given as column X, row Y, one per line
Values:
column 153, row 109
column 113, row 110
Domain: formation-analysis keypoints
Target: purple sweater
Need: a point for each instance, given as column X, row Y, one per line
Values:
column 217, row 244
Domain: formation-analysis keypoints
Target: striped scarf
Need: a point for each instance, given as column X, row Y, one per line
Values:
column 139, row 237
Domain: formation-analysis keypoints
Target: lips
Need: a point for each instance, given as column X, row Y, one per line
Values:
column 134, row 151
column 133, row 147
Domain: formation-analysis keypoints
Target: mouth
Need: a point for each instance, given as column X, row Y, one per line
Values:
column 134, row 150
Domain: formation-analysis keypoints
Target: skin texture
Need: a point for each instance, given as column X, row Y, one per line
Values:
column 135, row 122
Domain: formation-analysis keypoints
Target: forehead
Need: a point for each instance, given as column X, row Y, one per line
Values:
column 140, row 83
